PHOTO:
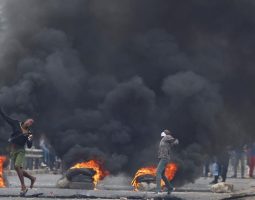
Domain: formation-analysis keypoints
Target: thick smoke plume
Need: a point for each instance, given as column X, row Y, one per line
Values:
column 103, row 78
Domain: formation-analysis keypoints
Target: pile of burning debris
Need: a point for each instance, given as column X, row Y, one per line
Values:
column 84, row 175
column 145, row 178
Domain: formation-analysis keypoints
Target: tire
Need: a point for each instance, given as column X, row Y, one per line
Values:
column 146, row 178
column 82, row 178
column 84, row 171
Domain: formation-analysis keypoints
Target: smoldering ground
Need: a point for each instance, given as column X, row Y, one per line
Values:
column 103, row 78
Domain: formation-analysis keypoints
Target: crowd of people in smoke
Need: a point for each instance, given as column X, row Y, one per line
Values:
column 233, row 160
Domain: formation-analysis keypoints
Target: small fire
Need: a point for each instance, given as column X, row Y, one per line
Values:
column 96, row 166
column 170, row 172
column 2, row 160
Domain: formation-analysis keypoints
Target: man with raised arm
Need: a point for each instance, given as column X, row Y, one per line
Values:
column 21, row 136
column 164, row 155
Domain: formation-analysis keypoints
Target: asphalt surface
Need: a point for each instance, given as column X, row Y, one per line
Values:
column 193, row 191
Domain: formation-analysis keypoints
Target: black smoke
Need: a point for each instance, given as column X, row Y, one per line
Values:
column 103, row 78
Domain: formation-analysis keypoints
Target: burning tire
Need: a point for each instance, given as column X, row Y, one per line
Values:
column 78, row 178
column 148, row 178
column 71, row 173
column 145, row 178
column 83, row 176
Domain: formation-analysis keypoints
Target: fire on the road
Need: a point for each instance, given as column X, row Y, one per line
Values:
column 96, row 166
column 170, row 172
column 2, row 160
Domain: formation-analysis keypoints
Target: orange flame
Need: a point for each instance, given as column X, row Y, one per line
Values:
column 96, row 166
column 170, row 172
column 2, row 160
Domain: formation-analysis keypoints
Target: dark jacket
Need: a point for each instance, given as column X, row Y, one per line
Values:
column 165, row 147
column 17, row 136
column 224, row 157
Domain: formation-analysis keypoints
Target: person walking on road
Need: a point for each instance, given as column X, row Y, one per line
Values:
column 164, row 155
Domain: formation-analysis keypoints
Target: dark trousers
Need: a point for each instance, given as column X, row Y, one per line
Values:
column 161, row 174
column 239, row 157
column 224, row 171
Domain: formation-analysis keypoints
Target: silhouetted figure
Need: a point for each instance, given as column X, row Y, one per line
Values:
column 239, row 156
column 223, row 163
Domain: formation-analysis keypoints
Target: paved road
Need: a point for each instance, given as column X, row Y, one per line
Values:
column 43, row 180
column 196, row 191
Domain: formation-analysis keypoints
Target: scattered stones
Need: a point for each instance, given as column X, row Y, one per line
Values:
column 63, row 182
column 222, row 188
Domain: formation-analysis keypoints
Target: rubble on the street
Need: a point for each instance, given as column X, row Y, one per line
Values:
column 222, row 188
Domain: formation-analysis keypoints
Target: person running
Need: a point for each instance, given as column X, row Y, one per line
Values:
column 164, row 155
column 20, row 136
